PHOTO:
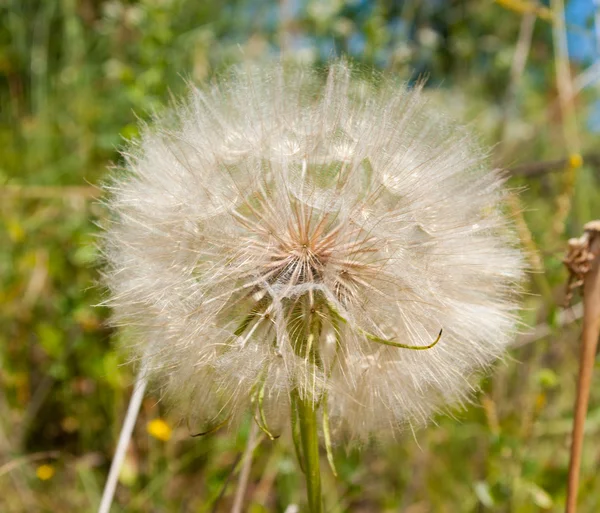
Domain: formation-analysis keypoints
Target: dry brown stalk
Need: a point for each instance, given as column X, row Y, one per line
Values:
column 536, row 169
column 583, row 262
column 564, row 84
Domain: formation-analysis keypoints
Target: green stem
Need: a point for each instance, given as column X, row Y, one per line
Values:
column 309, row 436
column 305, row 330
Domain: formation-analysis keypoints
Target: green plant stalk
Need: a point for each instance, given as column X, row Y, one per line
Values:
column 305, row 404
column 309, row 436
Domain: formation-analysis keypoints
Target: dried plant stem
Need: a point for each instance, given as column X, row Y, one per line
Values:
column 124, row 438
column 564, row 82
column 538, row 169
column 516, row 72
column 566, row 97
column 532, row 251
column 309, row 438
column 541, row 331
column 584, row 252
column 246, row 467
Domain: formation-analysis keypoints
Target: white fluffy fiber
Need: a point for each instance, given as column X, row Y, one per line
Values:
column 279, row 226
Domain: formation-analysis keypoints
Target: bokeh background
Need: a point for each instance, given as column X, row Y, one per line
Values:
column 76, row 76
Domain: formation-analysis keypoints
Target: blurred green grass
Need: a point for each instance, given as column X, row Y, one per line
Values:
column 75, row 76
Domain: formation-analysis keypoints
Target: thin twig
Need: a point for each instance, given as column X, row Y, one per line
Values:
column 124, row 438
column 233, row 467
column 246, row 467
column 585, row 79
column 564, row 82
column 566, row 97
column 517, row 68
column 583, row 261
column 535, row 169
column 28, row 458
column 564, row 318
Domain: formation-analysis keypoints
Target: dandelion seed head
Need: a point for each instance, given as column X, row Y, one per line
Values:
column 280, row 231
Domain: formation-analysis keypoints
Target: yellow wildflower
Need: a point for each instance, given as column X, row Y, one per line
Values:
column 524, row 7
column 575, row 160
column 159, row 429
column 45, row 472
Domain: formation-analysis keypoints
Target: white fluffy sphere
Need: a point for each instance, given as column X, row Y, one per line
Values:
column 282, row 232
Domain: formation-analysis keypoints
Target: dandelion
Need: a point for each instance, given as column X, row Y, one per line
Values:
column 331, row 248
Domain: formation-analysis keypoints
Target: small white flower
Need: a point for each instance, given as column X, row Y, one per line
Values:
column 279, row 233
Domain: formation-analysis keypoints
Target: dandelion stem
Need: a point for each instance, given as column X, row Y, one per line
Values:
column 309, row 437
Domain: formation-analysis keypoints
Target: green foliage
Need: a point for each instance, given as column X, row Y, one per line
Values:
column 75, row 76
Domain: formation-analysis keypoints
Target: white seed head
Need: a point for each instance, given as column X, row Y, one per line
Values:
column 282, row 232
